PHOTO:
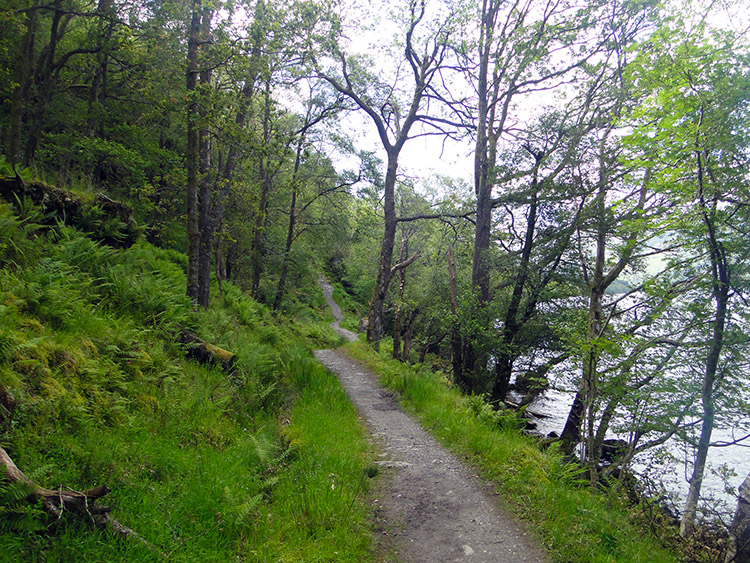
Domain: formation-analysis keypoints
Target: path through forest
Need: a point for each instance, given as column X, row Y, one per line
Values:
column 431, row 508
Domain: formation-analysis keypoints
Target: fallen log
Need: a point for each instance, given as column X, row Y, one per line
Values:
column 71, row 209
column 205, row 352
column 55, row 502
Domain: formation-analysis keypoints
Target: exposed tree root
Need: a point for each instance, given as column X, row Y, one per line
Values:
column 57, row 501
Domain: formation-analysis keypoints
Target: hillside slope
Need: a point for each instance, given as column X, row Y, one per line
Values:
column 261, row 462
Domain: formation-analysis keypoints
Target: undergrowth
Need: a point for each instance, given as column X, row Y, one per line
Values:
column 574, row 523
column 263, row 463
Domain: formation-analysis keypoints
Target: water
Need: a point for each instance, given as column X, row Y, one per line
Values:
column 677, row 377
column 554, row 405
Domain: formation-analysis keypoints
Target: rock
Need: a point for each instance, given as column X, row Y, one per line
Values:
column 739, row 551
column 364, row 324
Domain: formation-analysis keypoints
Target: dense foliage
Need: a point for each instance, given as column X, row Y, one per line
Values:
column 202, row 463
column 599, row 242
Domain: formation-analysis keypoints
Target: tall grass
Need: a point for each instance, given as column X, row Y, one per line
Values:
column 262, row 463
column 574, row 523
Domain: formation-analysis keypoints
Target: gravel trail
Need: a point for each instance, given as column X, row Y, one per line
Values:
column 432, row 507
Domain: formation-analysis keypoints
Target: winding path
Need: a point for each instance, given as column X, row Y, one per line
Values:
column 433, row 508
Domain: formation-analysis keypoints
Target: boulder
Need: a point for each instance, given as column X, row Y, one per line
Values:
column 364, row 324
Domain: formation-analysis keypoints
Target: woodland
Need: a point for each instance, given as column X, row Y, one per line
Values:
column 195, row 165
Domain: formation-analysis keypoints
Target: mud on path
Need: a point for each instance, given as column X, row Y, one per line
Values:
column 432, row 508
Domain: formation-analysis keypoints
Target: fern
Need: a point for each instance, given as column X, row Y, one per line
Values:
column 17, row 515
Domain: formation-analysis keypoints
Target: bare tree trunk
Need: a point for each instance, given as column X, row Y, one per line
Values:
column 383, row 280
column 193, row 148
column 205, row 224
column 257, row 252
column 290, row 227
column 398, row 316
column 20, row 92
column 720, row 284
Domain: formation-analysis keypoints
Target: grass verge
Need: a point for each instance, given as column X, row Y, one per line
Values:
column 574, row 523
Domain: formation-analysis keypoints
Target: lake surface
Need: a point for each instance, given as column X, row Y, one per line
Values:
column 555, row 404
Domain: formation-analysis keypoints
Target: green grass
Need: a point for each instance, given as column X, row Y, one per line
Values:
column 265, row 463
column 573, row 523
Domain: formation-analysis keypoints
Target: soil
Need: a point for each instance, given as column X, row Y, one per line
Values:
column 431, row 507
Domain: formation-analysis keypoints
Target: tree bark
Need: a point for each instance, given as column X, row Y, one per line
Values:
column 398, row 316
column 584, row 404
column 20, row 92
column 512, row 324
column 205, row 199
column 383, row 280
column 45, row 79
column 408, row 335
column 720, row 284
column 290, row 226
column 257, row 252
column 739, row 551
column 193, row 148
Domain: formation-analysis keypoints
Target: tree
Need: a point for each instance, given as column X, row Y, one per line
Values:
column 320, row 174
column 694, row 132
column 394, row 109
column 523, row 48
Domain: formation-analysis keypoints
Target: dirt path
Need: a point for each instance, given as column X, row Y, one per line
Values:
column 335, row 309
column 433, row 508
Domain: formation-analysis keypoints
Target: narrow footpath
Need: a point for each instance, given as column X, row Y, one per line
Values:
column 433, row 508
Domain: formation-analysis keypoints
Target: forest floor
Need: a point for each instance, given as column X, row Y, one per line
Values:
column 430, row 506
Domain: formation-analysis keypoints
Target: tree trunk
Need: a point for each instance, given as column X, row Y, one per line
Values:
column 383, row 280
column 205, row 199
column 460, row 376
column 512, row 323
column 257, row 251
column 408, row 335
column 720, row 284
column 193, row 148
column 20, row 92
column 290, row 226
column 583, row 404
column 485, row 154
column 219, row 262
column 398, row 316
column 739, row 550
column 45, row 79
column 98, row 92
